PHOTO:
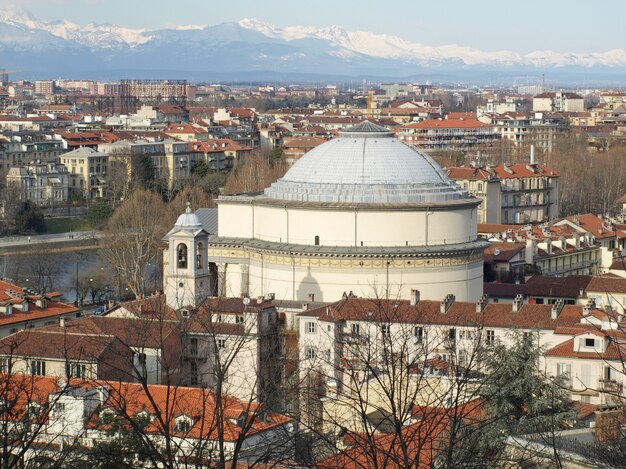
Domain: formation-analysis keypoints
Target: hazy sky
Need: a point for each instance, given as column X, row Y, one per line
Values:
column 522, row 26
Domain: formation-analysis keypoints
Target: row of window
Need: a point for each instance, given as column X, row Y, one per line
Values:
column 418, row 332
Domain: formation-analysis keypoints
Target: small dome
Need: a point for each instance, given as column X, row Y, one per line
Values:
column 188, row 219
column 367, row 165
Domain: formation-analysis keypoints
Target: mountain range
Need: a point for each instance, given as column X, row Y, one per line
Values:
column 251, row 49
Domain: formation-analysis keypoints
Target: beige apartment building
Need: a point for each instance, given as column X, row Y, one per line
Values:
column 87, row 172
column 521, row 193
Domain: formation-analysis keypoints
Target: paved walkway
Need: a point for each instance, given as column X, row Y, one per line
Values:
column 16, row 241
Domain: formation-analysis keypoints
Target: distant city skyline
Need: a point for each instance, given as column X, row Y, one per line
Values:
column 489, row 25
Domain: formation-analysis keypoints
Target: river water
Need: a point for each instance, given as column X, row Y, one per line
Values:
column 46, row 272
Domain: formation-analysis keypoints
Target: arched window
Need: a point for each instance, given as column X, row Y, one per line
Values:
column 181, row 255
column 199, row 251
column 317, row 240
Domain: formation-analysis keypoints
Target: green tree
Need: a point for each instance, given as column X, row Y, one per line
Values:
column 518, row 398
column 29, row 218
column 99, row 213
column 201, row 169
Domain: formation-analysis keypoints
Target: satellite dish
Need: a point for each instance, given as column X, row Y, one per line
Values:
column 246, row 301
column 496, row 252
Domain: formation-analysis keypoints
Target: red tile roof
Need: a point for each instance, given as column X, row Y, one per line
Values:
column 10, row 293
column 531, row 316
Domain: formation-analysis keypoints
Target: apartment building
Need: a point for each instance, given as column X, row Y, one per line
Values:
column 436, row 134
column 521, row 193
column 539, row 129
column 172, row 160
column 559, row 101
column 87, row 172
column 18, row 149
column 419, row 332
column 43, row 184
column 44, row 87
column 234, row 342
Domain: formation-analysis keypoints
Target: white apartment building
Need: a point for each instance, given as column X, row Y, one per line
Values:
column 559, row 101
column 43, row 184
column 422, row 331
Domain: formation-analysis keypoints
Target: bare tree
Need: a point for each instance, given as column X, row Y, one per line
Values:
column 254, row 174
column 133, row 236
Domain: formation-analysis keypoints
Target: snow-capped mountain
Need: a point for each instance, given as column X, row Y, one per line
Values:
column 252, row 46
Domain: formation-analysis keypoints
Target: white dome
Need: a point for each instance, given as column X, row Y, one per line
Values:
column 188, row 219
column 366, row 164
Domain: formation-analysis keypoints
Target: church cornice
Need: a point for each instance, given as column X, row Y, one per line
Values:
column 237, row 245
column 261, row 201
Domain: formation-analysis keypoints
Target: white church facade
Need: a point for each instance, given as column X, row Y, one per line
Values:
column 364, row 213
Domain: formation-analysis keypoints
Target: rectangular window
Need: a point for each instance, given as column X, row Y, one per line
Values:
column 193, row 373
column 239, row 319
column 310, row 327
column 221, row 344
column 193, row 347
column 5, row 365
column 356, row 328
column 418, row 333
column 309, row 353
column 38, row 367
column 590, row 342
column 385, row 330
column 491, row 337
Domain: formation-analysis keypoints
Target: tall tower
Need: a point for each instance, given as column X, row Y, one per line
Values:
column 186, row 274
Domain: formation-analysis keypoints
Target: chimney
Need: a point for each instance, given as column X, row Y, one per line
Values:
column 549, row 245
column 532, row 154
column 609, row 420
column 577, row 240
column 518, row 302
column 311, row 297
column 446, row 303
column 305, row 307
column 482, row 303
column 415, row 296
column 557, row 308
column 62, row 322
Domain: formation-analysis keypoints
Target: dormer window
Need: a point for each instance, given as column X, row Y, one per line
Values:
column 183, row 424
column 590, row 343
column 181, row 256
column 184, row 313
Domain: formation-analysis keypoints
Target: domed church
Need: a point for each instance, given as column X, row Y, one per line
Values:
column 363, row 212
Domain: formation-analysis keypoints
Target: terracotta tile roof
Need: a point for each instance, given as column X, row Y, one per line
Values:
column 502, row 251
column 10, row 293
column 593, row 224
column 531, row 316
column 607, row 285
column 199, row 404
column 523, row 171
column 303, row 142
column 570, row 286
column 469, row 173
column 56, row 345
column 504, row 290
column 566, row 349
